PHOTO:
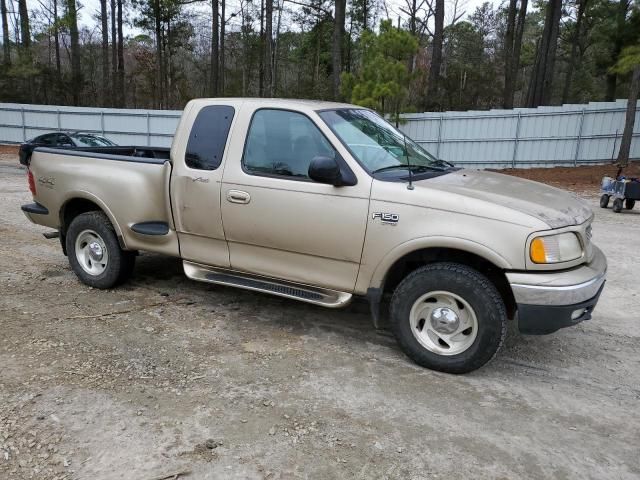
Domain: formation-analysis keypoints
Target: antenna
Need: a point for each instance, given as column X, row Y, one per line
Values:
column 406, row 154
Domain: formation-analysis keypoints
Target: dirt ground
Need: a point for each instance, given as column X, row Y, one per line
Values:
column 165, row 375
column 583, row 179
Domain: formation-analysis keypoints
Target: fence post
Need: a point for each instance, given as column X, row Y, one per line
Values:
column 58, row 122
column 515, row 141
column 577, row 152
column 148, row 130
column 24, row 127
column 439, row 137
column 102, row 122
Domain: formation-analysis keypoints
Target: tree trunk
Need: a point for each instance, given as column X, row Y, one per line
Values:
column 25, row 33
column 56, row 43
column 276, row 44
column 365, row 15
column 159, row 64
column 105, row 51
column 632, row 105
column 542, row 79
column 261, row 63
column 612, row 78
column 6, row 46
column 215, row 43
column 76, row 73
column 338, row 34
column 509, row 83
column 436, row 57
column 575, row 42
column 268, row 50
column 517, row 44
column 121, row 90
column 114, row 53
column 223, row 25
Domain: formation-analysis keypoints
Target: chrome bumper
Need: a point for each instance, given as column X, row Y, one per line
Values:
column 567, row 287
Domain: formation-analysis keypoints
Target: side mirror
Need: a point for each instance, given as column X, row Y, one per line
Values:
column 325, row 170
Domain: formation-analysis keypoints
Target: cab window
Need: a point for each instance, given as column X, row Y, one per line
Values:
column 283, row 143
column 208, row 137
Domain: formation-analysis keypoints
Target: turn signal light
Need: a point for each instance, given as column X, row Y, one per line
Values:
column 538, row 254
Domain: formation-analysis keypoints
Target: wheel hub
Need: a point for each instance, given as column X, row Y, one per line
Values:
column 444, row 320
column 95, row 251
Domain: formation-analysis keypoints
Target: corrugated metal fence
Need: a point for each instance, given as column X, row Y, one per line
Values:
column 545, row 136
column 525, row 137
column 19, row 122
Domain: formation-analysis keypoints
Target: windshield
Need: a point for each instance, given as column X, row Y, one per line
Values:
column 376, row 144
column 84, row 140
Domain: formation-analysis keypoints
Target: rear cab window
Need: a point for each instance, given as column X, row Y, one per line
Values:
column 208, row 137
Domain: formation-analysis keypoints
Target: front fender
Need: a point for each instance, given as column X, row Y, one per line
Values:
column 410, row 246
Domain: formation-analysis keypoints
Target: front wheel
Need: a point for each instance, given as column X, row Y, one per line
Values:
column 94, row 252
column 604, row 201
column 448, row 317
column 617, row 205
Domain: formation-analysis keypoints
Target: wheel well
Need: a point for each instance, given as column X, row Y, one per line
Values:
column 410, row 262
column 72, row 209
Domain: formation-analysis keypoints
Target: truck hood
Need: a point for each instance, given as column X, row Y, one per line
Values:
column 556, row 207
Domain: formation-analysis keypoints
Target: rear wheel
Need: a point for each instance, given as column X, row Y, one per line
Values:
column 94, row 252
column 448, row 317
column 604, row 201
column 629, row 204
column 617, row 205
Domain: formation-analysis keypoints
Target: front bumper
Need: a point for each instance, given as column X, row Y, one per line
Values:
column 548, row 301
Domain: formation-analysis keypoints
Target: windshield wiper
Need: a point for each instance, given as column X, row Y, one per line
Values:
column 444, row 163
column 408, row 167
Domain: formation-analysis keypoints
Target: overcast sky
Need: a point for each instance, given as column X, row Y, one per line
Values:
column 91, row 8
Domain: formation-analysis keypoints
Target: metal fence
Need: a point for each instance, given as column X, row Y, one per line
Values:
column 525, row 137
column 20, row 122
column 545, row 136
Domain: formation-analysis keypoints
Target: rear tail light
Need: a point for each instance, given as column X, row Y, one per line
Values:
column 32, row 182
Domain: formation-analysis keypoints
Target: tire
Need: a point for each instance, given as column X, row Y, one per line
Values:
column 629, row 204
column 617, row 205
column 101, row 263
column 604, row 201
column 427, row 288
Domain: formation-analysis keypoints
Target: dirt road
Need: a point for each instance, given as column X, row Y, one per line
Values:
column 165, row 375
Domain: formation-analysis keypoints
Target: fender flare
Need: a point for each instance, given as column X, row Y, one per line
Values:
column 378, row 278
column 84, row 195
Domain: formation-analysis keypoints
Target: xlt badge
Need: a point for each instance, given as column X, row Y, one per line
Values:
column 387, row 218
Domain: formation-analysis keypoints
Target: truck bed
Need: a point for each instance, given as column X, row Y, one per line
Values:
column 129, row 184
column 120, row 153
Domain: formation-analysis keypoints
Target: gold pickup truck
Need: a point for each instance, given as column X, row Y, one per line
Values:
column 321, row 202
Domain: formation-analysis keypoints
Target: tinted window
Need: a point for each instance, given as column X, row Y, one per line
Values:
column 49, row 139
column 85, row 140
column 63, row 140
column 208, row 137
column 284, row 143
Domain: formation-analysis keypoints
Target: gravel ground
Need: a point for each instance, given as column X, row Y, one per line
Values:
column 165, row 375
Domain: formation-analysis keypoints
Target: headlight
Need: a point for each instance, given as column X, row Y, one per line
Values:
column 562, row 247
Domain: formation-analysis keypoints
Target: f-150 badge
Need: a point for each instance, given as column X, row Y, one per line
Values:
column 386, row 218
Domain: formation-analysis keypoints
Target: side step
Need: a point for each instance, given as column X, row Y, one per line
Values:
column 304, row 293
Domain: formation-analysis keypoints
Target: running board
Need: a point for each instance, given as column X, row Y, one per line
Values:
column 304, row 293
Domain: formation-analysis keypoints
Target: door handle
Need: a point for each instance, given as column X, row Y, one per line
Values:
column 238, row 196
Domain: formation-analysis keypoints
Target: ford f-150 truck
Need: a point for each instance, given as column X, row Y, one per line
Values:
column 321, row 202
